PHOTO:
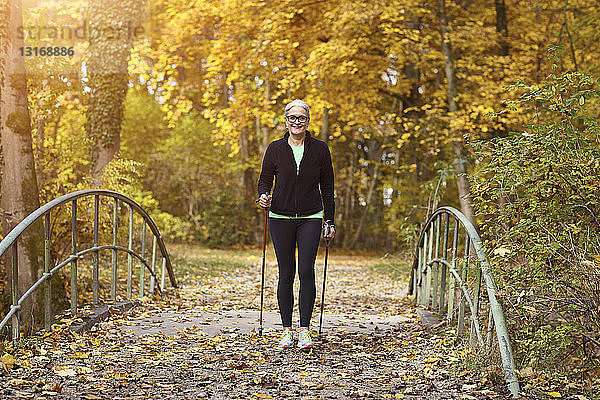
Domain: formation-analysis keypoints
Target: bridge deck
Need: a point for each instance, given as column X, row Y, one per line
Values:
column 202, row 344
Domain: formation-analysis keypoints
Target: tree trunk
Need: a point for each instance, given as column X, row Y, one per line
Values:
column 265, row 129
column 464, row 190
column 41, row 133
column 248, row 183
column 501, row 27
column 108, row 75
column 390, row 235
column 502, row 31
column 19, row 184
column 346, row 219
column 366, row 210
column 374, row 153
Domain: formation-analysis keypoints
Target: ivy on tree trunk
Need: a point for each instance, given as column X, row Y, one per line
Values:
column 113, row 26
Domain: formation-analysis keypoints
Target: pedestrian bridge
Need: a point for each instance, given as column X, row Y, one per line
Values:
column 198, row 338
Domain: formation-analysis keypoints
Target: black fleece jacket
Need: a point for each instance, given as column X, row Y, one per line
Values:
column 298, row 194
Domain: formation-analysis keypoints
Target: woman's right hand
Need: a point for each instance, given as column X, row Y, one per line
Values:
column 264, row 200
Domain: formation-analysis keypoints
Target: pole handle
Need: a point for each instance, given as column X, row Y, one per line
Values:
column 257, row 200
column 327, row 231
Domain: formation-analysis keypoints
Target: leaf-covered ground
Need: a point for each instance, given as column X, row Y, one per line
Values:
column 200, row 342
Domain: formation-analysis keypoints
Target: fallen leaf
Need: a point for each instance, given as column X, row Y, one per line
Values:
column 527, row 372
column 262, row 396
column 90, row 396
column 62, row 370
column 52, row 387
column 8, row 360
column 17, row 382
column 84, row 370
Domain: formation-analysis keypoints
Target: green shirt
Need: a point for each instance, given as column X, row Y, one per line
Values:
column 298, row 153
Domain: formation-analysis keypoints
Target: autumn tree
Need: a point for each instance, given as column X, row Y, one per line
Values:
column 375, row 75
column 19, row 184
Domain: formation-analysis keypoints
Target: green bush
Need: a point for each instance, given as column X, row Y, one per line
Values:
column 537, row 189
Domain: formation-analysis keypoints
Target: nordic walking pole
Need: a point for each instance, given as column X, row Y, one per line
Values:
column 262, row 281
column 324, row 277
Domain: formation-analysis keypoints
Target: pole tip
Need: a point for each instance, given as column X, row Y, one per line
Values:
column 260, row 330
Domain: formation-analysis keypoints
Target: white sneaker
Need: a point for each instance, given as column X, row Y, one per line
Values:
column 287, row 339
column 304, row 339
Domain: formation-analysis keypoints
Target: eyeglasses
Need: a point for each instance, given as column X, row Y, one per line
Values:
column 297, row 118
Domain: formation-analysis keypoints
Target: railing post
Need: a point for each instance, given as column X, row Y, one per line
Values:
column 421, row 286
column 95, row 255
column 162, row 274
column 16, row 328
column 429, row 267
column 418, row 283
column 129, row 258
column 452, row 284
column 152, row 280
column 415, row 274
column 463, row 276
column 74, row 261
column 436, row 266
column 113, row 275
column 445, row 256
column 490, row 329
column 476, row 300
column 142, row 266
column 425, row 274
column 48, row 284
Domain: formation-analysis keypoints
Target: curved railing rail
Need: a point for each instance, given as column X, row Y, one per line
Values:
column 446, row 276
column 12, row 239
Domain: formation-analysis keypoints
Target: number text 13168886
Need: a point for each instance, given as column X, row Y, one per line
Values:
column 46, row 51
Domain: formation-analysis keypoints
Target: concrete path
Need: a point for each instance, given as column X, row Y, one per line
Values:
column 170, row 323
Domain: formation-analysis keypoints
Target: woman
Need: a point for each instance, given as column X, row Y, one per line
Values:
column 301, row 165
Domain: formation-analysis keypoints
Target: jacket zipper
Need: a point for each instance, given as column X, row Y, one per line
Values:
column 297, row 173
column 296, row 184
column 291, row 153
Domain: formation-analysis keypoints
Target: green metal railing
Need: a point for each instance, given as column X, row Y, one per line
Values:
column 11, row 241
column 447, row 278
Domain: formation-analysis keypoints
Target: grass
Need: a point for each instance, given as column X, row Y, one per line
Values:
column 397, row 266
column 194, row 260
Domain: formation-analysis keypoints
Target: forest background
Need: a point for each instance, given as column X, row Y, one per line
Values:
column 488, row 106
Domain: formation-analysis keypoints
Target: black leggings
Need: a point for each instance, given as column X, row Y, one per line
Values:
column 285, row 233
